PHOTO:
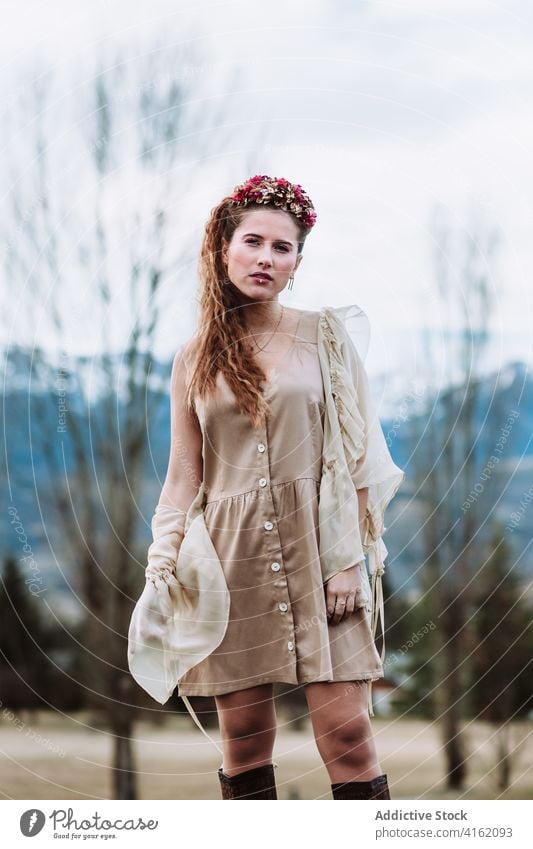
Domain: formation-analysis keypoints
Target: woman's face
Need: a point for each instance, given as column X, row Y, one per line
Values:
column 266, row 241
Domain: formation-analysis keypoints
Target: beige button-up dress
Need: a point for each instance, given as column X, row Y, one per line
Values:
column 261, row 512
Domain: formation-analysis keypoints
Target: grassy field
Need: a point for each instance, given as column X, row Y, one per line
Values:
column 47, row 756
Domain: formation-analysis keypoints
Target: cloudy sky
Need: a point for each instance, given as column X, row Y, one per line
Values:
column 383, row 111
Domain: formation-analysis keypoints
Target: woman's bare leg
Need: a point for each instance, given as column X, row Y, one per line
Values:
column 342, row 729
column 247, row 721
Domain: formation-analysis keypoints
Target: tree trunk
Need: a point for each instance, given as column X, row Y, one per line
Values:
column 453, row 686
column 504, row 758
column 124, row 771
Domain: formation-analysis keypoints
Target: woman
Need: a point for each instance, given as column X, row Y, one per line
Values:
column 250, row 509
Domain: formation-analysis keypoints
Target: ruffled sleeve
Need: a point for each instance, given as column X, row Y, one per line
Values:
column 374, row 467
column 182, row 614
column 346, row 331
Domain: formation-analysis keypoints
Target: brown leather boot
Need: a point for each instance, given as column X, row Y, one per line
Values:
column 256, row 783
column 376, row 788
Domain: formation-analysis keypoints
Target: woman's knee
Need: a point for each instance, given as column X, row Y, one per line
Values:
column 247, row 716
column 339, row 716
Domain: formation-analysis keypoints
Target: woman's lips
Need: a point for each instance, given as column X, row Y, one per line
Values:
column 261, row 279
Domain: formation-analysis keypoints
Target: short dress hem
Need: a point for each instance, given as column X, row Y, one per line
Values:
column 268, row 679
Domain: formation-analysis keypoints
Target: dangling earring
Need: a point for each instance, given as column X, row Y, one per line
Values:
column 291, row 281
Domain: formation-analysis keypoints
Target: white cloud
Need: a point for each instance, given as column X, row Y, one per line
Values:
column 380, row 109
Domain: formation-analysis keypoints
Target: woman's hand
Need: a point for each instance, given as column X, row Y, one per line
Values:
column 344, row 592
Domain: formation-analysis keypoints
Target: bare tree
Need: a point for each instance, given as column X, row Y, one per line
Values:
column 446, row 453
column 96, row 462
column 500, row 691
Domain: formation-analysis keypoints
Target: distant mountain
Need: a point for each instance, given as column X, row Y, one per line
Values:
column 36, row 390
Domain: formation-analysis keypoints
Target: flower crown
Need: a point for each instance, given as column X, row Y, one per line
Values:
column 279, row 192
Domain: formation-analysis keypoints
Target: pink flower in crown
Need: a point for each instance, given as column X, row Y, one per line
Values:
column 279, row 191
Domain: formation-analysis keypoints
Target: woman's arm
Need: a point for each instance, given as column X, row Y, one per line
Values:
column 348, row 583
column 185, row 465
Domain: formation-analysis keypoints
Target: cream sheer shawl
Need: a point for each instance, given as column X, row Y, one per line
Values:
column 355, row 456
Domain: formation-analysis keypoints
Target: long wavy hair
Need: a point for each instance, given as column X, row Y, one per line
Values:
column 218, row 344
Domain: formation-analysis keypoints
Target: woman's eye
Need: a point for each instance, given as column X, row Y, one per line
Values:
column 282, row 248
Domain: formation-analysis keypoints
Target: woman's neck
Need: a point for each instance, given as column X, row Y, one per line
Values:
column 264, row 315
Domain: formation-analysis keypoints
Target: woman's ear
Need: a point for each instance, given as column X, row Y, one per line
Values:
column 298, row 261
